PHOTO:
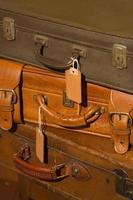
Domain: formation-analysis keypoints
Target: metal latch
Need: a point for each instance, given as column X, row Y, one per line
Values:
column 9, row 28
column 80, row 51
column 119, row 56
column 124, row 186
column 67, row 102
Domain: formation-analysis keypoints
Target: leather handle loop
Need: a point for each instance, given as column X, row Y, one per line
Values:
column 70, row 121
column 48, row 62
column 41, row 43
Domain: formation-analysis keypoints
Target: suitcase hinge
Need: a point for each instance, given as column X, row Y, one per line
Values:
column 124, row 186
column 119, row 56
column 9, row 28
column 80, row 51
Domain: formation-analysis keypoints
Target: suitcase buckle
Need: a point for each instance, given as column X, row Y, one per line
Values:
column 14, row 96
column 120, row 114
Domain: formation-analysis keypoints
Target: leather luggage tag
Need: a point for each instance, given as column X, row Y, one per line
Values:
column 73, row 82
column 40, row 138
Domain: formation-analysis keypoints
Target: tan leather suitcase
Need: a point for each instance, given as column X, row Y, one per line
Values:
column 104, row 112
column 91, row 148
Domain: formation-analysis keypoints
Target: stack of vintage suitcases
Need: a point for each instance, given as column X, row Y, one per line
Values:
column 66, row 100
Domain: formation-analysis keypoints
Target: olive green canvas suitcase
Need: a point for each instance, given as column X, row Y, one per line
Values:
column 48, row 33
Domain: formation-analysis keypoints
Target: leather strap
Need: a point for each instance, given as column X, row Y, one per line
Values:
column 10, row 73
column 121, row 132
column 70, row 121
column 120, row 120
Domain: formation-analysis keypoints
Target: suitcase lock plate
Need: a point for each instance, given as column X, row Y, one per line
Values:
column 67, row 102
column 9, row 28
column 119, row 56
column 124, row 186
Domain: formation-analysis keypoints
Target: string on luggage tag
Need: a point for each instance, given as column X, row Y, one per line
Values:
column 40, row 135
column 41, row 119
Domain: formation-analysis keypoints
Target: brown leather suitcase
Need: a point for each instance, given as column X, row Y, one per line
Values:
column 72, row 187
column 93, row 168
column 83, row 148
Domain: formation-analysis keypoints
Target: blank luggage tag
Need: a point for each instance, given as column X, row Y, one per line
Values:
column 40, row 137
column 73, row 82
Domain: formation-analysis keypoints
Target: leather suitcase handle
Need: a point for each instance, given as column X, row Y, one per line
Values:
column 70, row 121
column 48, row 62
column 56, row 65
column 51, row 64
column 46, row 173
column 42, row 173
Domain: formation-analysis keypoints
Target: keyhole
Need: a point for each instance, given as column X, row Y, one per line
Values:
column 119, row 59
column 41, row 50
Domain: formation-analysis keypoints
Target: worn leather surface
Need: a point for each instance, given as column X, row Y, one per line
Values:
column 10, row 74
column 16, row 186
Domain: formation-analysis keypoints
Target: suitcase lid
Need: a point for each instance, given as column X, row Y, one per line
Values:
column 112, row 17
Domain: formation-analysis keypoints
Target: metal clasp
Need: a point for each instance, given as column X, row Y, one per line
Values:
column 24, row 152
column 124, row 186
column 41, row 40
column 119, row 56
column 120, row 114
column 57, row 171
column 67, row 102
column 9, row 28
